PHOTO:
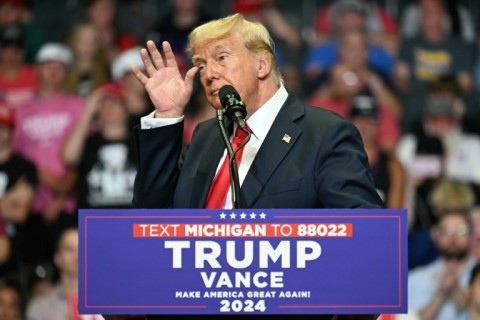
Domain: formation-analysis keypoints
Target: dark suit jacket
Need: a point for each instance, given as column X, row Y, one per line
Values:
column 323, row 166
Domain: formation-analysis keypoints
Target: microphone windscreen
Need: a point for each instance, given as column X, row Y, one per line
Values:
column 235, row 109
column 227, row 92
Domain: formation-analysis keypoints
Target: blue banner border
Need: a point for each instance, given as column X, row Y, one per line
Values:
column 400, row 215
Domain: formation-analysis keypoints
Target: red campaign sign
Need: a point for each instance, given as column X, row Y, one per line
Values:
column 223, row 262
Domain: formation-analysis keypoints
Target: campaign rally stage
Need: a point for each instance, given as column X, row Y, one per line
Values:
column 275, row 261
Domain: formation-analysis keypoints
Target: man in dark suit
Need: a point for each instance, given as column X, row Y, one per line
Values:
column 298, row 156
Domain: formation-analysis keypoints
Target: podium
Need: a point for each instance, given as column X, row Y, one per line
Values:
column 243, row 261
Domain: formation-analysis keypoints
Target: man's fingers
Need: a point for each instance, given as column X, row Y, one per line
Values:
column 147, row 62
column 139, row 74
column 189, row 77
column 156, row 56
column 169, row 56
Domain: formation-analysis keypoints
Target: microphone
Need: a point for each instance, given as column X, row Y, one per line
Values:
column 235, row 109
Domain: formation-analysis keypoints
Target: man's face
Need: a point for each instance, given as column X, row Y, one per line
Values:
column 10, row 304
column 354, row 50
column 11, row 54
column 228, row 62
column 66, row 257
column 9, row 13
column 439, row 126
column 102, row 12
column 112, row 111
column 432, row 15
column 368, row 128
column 53, row 73
column 185, row 5
column 453, row 237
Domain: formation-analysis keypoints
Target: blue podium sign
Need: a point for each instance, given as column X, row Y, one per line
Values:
column 275, row 261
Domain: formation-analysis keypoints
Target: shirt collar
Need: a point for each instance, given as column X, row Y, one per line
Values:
column 261, row 121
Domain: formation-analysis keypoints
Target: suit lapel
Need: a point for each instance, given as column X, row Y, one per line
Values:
column 281, row 137
column 214, row 147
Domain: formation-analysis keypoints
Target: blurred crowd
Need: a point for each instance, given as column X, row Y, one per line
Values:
column 410, row 82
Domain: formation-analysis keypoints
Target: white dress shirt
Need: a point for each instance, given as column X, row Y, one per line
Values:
column 260, row 123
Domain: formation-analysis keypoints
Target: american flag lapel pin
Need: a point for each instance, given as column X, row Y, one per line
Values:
column 286, row 138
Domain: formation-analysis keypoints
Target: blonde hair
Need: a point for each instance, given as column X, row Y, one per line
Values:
column 452, row 195
column 255, row 37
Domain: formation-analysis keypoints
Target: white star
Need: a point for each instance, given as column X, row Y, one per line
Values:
column 233, row 215
column 253, row 215
column 223, row 215
column 263, row 215
column 243, row 215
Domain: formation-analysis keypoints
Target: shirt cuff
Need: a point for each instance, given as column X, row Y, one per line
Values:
column 150, row 122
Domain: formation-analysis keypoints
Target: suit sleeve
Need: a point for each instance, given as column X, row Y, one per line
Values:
column 343, row 177
column 158, row 151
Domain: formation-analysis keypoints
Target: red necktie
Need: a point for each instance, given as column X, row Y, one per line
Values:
column 220, row 185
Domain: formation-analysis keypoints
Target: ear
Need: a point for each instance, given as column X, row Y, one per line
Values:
column 264, row 65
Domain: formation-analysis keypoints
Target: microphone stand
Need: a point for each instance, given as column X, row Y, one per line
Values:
column 234, row 180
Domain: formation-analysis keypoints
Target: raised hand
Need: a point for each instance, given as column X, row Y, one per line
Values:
column 165, row 85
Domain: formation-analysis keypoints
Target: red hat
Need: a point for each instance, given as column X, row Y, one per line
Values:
column 112, row 89
column 6, row 116
column 247, row 6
